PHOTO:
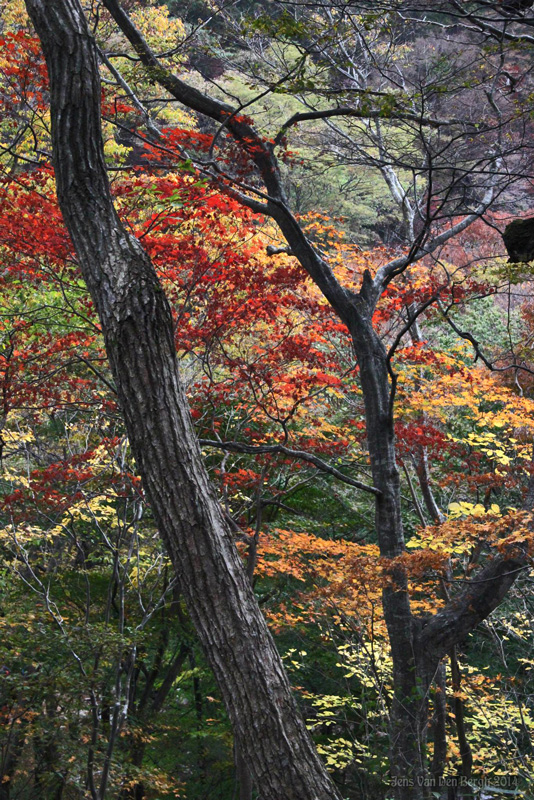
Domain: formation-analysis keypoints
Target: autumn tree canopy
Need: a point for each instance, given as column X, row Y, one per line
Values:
column 264, row 359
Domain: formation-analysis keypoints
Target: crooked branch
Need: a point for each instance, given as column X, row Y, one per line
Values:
column 238, row 447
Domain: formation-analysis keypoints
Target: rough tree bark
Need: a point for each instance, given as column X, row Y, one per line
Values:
column 137, row 326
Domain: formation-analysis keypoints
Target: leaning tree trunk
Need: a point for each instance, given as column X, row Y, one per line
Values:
column 138, row 331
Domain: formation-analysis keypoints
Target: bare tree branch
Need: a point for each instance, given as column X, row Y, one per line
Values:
column 239, row 447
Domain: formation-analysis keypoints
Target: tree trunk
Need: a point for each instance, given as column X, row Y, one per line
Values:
column 439, row 728
column 411, row 674
column 138, row 331
column 458, row 705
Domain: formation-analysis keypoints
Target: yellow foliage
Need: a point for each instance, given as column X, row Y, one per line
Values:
column 162, row 31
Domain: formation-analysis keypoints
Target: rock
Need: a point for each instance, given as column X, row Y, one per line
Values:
column 518, row 238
